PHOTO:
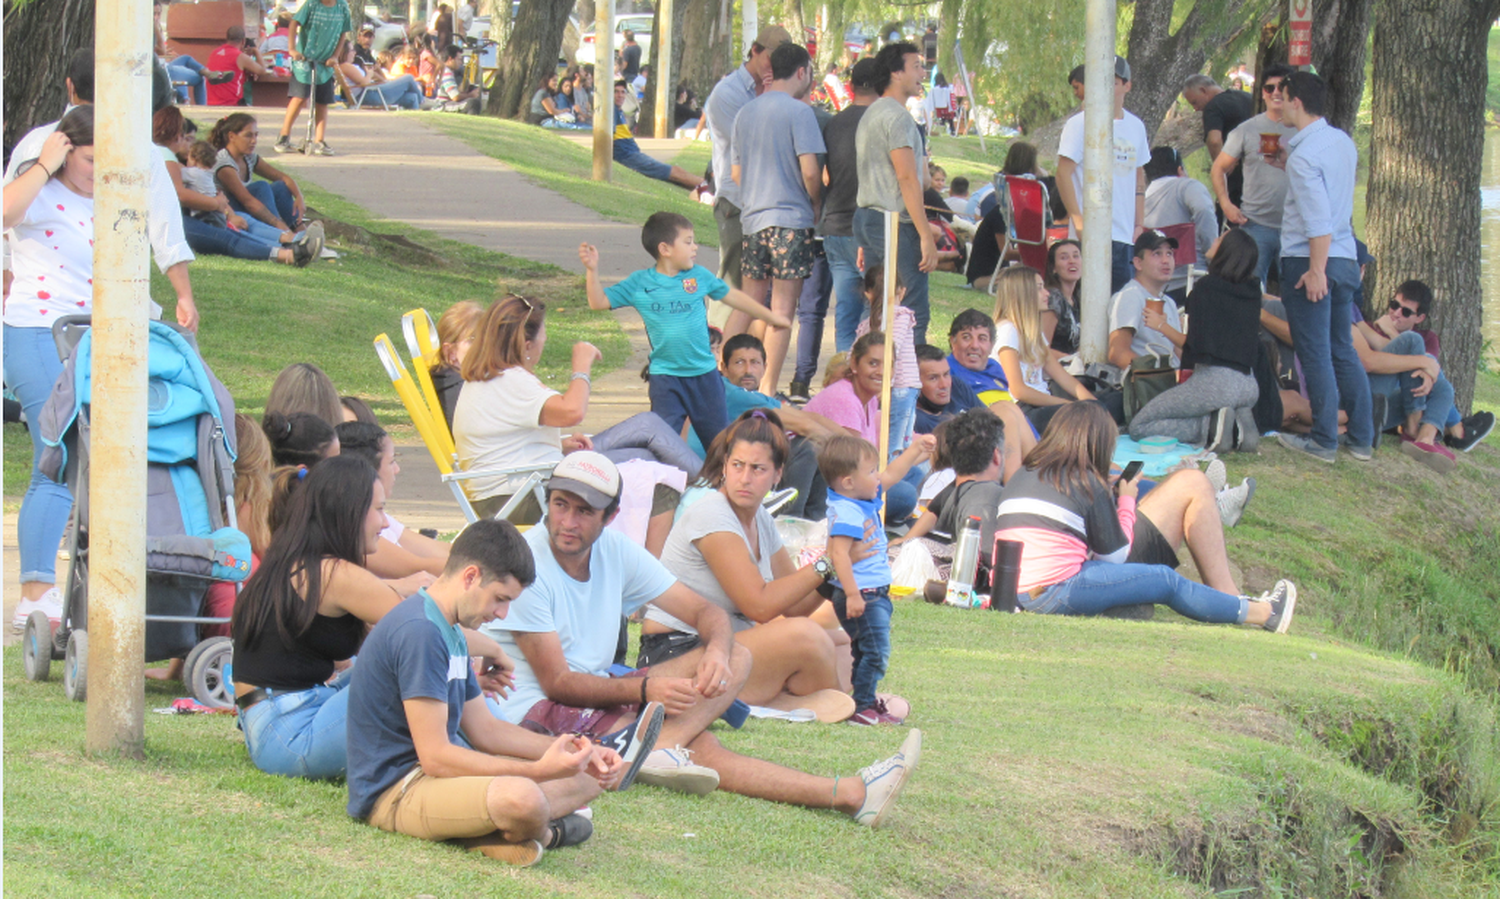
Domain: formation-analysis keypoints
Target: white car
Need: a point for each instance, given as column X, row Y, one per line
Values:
column 640, row 23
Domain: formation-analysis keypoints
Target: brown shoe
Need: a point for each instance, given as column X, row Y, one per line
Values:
column 523, row 854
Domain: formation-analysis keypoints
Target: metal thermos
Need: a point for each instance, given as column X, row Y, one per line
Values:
column 965, row 565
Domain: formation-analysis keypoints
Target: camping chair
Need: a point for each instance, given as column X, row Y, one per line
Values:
column 1186, row 254
column 354, row 97
column 433, row 428
column 1026, row 218
column 426, row 353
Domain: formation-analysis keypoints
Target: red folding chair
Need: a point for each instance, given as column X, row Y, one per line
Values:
column 1186, row 235
column 1026, row 219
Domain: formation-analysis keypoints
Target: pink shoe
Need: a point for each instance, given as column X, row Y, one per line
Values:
column 1438, row 458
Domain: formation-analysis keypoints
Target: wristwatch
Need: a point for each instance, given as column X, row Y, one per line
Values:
column 824, row 568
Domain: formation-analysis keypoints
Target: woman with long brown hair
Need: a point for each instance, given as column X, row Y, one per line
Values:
column 1078, row 532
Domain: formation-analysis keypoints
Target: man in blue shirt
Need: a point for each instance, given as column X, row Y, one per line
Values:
column 414, row 691
column 1320, row 272
column 943, row 396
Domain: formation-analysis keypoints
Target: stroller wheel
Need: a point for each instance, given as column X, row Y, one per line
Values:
column 75, row 666
column 36, row 646
column 206, row 675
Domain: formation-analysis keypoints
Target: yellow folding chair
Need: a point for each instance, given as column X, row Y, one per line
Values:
column 433, row 428
column 426, row 352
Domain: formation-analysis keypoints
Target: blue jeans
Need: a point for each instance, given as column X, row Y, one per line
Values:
column 214, row 240
column 1268, row 241
column 1321, row 338
column 275, row 196
column 901, row 498
column 645, row 435
column 1100, row 586
column 869, row 231
column 699, row 398
column 812, row 309
column 1436, row 407
column 31, row 368
column 848, row 289
column 300, row 733
column 189, row 71
column 870, row 640
column 903, row 417
column 402, row 92
column 1120, row 268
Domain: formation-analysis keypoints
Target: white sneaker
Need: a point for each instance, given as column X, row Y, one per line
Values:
column 673, row 768
column 49, row 602
column 1217, row 475
column 1232, row 502
column 884, row 780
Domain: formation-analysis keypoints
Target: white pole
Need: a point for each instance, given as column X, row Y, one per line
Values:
column 115, row 718
column 887, row 317
column 1098, row 174
column 665, row 96
column 604, row 89
column 750, row 25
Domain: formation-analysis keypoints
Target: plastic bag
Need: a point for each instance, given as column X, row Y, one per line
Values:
column 913, row 568
column 801, row 534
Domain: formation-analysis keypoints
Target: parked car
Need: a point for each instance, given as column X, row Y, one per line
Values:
column 640, row 23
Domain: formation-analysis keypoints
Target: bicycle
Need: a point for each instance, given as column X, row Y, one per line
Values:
column 474, row 72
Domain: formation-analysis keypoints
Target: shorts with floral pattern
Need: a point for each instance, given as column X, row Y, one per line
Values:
column 782, row 253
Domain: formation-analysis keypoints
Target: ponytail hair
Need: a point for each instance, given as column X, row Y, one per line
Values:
column 298, row 439
column 761, row 426
column 233, row 123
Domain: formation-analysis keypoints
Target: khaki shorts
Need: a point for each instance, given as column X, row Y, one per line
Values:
column 435, row 808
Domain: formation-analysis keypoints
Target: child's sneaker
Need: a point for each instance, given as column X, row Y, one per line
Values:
column 893, row 706
column 873, row 715
column 283, row 144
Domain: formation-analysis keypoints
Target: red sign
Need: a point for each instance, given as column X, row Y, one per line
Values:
column 1299, row 52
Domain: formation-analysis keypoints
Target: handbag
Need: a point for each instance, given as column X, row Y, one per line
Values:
column 1147, row 378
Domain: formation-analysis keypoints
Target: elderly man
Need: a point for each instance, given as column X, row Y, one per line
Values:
column 563, row 629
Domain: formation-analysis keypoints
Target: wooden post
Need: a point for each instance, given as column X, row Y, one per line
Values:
column 115, row 717
column 604, row 90
column 888, row 312
column 666, row 96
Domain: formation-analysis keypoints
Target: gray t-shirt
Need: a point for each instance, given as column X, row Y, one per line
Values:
column 1127, row 310
column 886, row 126
column 1175, row 201
column 1264, row 196
column 770, row 134
column 726, row 100
column 712, row 515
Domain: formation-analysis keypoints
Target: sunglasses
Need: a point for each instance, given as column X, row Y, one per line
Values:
column 1271, row 87
column 1401, row 310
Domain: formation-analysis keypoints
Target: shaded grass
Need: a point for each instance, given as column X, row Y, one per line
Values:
column 1062, row 758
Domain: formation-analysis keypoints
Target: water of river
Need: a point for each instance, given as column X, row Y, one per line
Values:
column 1489, row 228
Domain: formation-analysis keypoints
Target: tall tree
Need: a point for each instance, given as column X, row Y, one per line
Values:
column 1426, row 147
column 1161, row 58
column 1340, row 47
column 530, row 52
column 40, row 37
column 702, row 34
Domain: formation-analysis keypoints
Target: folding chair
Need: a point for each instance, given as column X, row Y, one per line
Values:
column 426, row 352
column 1026, row 218
column 1186, row 254
column 433, row 429
column 354, row 99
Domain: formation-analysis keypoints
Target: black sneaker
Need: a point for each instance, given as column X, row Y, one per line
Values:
column 1476, row 427
column 1283, row 600
column 636, row 741
column 569, row 830
column 798, row 392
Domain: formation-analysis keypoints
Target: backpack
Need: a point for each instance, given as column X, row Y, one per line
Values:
column 1147, row 378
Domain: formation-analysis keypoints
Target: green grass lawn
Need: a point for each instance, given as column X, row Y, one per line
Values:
column 1063, row 758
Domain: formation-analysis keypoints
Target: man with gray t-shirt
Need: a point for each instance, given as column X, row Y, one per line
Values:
column 1264, row 195
column 774, row 158
column 891, row 159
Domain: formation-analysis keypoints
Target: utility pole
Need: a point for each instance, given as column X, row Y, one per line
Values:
column 115, row 716
column 666, row 97
column 1098, row 176
column 604, row 89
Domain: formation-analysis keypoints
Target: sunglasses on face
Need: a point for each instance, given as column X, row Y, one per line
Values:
column 1271, row 87
column 1401, row 310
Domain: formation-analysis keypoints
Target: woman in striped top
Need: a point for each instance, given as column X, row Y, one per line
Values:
column 1077, row 535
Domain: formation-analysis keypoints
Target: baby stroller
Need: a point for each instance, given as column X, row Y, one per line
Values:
column 189, row 543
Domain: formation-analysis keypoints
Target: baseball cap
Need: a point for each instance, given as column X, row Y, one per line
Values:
column 862, row 74
column 1122, row 68
column 588, row 475
column 367, row 28
column 772, row 36
column 1150, row 239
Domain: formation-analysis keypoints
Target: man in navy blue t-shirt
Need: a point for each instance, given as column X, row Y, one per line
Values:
column 514, row 792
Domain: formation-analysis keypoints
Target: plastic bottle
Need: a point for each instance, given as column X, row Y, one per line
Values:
column 965, row 565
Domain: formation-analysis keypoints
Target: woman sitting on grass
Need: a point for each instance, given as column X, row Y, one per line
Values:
column 1021, row 348
column 400, row 551
column 277, row 200
column 303, row 387
column 300, row 438
column 1078, row 530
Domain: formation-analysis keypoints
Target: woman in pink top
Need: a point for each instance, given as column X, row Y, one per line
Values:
column 854, row 402
column 1076, row 530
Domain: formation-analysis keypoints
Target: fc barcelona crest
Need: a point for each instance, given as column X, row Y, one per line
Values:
column 690, row 285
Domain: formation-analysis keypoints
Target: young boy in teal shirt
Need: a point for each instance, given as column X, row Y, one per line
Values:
column 685, row 381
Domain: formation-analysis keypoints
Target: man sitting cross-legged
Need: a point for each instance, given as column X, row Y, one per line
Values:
column 565, row 627
column 414, row 691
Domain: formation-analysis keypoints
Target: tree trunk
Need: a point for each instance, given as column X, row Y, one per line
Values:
column 1426, row 149
column 40, row 37
column 530, row 53
column 831, row 38
column 1340, row 41
column 1160, row 59
column 646, row 121
column 700, row 49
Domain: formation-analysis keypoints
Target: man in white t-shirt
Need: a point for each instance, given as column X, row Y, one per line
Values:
column 1131, row 150
column 1137, row 325
column 562, row 634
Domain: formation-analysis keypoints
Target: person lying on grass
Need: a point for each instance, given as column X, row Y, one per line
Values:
column 502, row 790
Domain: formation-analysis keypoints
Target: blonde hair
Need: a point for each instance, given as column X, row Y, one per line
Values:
column 303, row 387
column 252, row 482
column 454, row 327
column 1015, row 302
column 838, row 369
